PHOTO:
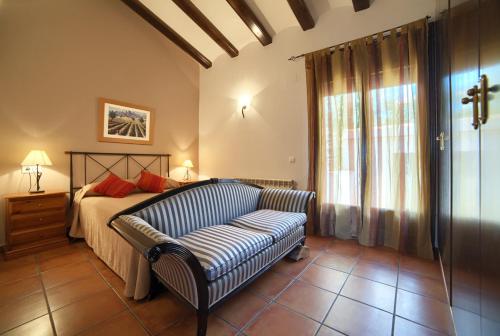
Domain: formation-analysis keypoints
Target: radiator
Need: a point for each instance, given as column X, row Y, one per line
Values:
column 271, row 183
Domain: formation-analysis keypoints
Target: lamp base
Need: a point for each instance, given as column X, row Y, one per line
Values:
column 187, row 176
column 37, row 192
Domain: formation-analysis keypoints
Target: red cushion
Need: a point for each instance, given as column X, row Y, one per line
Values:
column 151, row 182
column 114, row 186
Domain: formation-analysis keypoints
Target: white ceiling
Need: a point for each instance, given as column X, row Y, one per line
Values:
column 275, row 15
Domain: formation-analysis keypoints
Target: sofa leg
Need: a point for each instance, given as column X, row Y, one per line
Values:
column 154, row 287
column 202, row 323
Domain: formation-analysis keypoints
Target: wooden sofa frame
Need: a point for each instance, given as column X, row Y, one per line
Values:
column 152, row 251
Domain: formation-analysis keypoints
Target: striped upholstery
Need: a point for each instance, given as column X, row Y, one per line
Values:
column 176, row 273
column 284, row 200
column 221, row 248
column 277, row 224
column 140, row 225
column 200, row 207
column 232, row 280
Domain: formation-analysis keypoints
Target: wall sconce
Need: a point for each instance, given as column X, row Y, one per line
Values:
column 244, row 103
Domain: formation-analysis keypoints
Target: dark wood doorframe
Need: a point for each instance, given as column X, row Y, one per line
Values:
column 433, row 130
column 442, row 159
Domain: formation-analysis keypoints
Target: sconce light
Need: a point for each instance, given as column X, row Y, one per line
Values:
column 244, row 103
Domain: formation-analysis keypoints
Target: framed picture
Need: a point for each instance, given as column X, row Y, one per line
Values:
column 124, row 122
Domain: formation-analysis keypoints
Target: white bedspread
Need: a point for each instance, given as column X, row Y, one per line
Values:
column 90, row 217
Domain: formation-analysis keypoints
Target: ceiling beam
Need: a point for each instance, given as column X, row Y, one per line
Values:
column 248, row 16
column 167, row 31
column 208, row 27
column 360, row 4
column 302, row 14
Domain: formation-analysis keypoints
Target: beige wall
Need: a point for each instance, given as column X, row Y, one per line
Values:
column 58, row 56
column 275, row 126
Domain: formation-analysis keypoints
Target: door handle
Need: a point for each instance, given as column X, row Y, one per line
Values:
column 483, row 83
column 473, row 93
column 441, row 139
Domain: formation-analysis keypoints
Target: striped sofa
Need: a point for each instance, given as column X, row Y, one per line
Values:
column 207, row 240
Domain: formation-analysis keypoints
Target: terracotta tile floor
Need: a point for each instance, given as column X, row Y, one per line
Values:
column 341, row 289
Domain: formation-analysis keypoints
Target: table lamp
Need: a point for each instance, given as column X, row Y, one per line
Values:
column 188, row 164
column 37, row 158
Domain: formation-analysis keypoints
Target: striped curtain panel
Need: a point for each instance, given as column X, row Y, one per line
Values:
column 369, row 140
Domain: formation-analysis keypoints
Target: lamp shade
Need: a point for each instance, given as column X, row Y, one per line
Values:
column 36, row 157
column 188, row 164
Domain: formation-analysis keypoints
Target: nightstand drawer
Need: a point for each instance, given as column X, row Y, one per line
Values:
column 26, row 206
column 25, row 220
column 37, row 233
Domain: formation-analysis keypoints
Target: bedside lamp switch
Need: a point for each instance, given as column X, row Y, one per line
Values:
column 291, row 159
column 29, row 169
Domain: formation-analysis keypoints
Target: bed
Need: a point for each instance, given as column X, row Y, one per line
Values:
column 91, row 212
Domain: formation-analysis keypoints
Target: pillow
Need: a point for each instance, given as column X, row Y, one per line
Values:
column 151, row 183
column 114, row 186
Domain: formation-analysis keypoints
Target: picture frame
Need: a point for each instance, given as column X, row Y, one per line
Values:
column 124, row 122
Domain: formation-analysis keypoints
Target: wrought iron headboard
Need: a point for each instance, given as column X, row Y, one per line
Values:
column 104, row 168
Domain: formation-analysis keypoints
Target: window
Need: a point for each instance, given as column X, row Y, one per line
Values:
column 391, row 147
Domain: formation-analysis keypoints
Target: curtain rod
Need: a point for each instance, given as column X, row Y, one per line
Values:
column 384, row 33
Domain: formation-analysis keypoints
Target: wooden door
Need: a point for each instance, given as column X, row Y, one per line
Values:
column 490, row 168
column 464, row 58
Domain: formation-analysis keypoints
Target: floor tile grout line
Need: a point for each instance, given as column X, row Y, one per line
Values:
column 422, row 325
column 366, row 304
column 20, row 325
column 69, row 282
column 360, row 276
column 379, row 282
column 272, row 300
column 228, row 322
column 269, row 302
column 336, row 298
column 77, row 250
column 90, row 326
column 130, row 310
column 420, row 274
column 127, row 307
column 79, row 299
column 296, row 278
column 395, row 299
column 347, row 297
column 39, row 273
column 255, row 317
column 299, row 313
column 23, row 296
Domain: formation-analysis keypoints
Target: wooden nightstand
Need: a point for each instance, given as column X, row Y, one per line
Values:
column 34, row 222
column 184, row 182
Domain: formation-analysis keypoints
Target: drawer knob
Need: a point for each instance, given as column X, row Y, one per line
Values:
column 39, row 204
column 40, row 219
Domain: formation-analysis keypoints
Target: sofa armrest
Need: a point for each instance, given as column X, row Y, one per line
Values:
column 285, row 200
column 142, row 236
column 166, row 255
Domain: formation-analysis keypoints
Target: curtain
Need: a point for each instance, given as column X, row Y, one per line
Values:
column 369, row 140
